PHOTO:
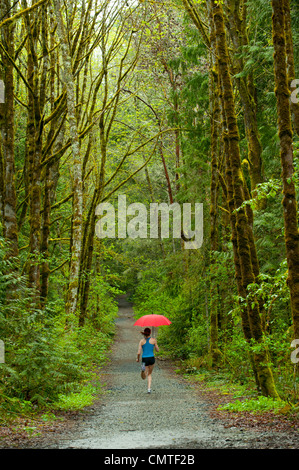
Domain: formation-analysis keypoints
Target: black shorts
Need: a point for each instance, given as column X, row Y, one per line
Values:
column 148, row 361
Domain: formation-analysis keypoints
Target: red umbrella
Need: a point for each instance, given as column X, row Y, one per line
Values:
column 152, row 320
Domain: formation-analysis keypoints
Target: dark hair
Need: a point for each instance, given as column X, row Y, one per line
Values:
column 146, row 332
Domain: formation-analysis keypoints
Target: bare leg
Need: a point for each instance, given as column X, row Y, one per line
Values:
column 149, row 376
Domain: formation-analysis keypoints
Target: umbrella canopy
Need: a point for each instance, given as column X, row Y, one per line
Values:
column 152, row 320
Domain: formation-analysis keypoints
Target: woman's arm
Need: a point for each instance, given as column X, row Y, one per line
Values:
column 156, row 346
column 138, row 352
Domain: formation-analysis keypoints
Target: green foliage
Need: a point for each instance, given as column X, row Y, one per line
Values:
column 43, row 360
column 13, row 406
column 102, row 307
column 76, row 401
column 255, row 405
column 93, row 344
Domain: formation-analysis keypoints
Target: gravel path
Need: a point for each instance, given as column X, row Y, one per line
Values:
column 173, row 416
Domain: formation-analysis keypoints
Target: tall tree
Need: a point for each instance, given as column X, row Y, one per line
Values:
column 8, row 133
column 69, row 83
column 289, row 44
column 237, row 26
column 36, row 92
column 239, row 220
column 214, row 188
column 282, row 91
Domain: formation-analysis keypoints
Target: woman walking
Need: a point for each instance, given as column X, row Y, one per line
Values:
column 147, row 346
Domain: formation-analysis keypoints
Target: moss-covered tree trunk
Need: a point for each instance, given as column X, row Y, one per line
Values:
column 90, row 222
column 34, row 151
column 239, row 219
column 105, row 125
column 290, row 63
column 214, row 190
column 68, row 80
column 48, row 64
column 10, row 224
column 237, row 27
column 290, row 214
column 229, row 195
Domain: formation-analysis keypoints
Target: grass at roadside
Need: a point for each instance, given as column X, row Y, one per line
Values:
column 233, row 396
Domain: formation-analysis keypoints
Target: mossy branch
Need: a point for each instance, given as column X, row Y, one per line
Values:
column 21, row 13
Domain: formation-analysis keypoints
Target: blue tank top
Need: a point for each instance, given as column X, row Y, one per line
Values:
column 148, row 349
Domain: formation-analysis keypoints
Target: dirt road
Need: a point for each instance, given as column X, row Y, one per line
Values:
column 173, row 416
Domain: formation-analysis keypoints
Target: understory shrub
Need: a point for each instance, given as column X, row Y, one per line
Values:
column 259, row 404
column 44, row 360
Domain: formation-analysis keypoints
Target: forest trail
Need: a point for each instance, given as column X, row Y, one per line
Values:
column 173, row 416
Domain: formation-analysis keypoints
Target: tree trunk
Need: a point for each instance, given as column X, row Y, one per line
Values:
column 35, row 106
column 10, row 227
column 234, row 238
column 68, row 80
column 290, row 63
column 286, row 155
column 237, row 29
column 239, row 220
column 48, row 63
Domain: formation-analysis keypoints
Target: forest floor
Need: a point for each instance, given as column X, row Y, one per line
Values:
column 178, row 414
